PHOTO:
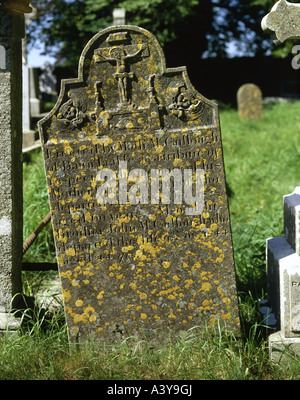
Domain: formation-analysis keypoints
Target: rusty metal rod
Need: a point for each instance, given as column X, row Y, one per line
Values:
column 31, row 238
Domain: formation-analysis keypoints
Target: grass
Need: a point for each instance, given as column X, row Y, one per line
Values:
column 262, row 161
column 201, row 356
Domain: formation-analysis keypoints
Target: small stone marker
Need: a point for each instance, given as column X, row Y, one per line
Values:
column 249, row 100
column 136, row 185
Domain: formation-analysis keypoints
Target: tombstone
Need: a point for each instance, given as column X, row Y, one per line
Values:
column 47, row 79
column 249, row 100
column 283, row 256
column 26, row 102
column 119, row 16
column 35, row 102
column 11, row 229
column 28, row 132
column 136, row 184
column 283, row 273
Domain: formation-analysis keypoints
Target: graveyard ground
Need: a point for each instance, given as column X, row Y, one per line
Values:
column 262, row 162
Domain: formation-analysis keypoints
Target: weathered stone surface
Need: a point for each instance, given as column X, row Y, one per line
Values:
column 8, row 322
column 281, row 349
column 283, row 21
column 11, row 231
column 291, row 209
column 134, row 257
column 249, row 100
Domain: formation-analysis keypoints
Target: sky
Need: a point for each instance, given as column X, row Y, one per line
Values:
column 34, row 59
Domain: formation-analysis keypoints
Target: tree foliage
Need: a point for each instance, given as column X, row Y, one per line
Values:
column 65, row 26
column 185, row 28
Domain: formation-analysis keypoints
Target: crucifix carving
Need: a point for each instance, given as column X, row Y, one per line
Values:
column 283, row 21
column 121, row 56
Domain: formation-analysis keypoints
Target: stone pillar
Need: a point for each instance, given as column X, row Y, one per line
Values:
column 11, row 212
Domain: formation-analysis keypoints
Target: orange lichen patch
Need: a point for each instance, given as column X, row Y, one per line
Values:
column 206, row 287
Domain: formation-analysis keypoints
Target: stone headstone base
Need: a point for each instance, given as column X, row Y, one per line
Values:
column 8, row 323
column 282, row 348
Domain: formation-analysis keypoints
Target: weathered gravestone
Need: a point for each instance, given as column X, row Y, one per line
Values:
column 136, row 185
column 283, row 253
column 249, row 100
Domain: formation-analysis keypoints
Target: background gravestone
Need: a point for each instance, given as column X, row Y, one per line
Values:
column 129, row 258
column 249, row 100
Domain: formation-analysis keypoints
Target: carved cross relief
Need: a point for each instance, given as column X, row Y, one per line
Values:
column 121, row 55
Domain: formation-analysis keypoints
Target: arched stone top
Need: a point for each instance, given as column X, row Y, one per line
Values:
column 123, row 85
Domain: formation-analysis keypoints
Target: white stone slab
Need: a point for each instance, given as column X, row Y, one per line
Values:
column 278, row 252
column 283, row 270
column 291, row 210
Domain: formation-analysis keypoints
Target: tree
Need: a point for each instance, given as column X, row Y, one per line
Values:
column 187, row 29
column 65, row 26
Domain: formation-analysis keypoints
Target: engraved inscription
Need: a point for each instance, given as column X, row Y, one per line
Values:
column 295, row 305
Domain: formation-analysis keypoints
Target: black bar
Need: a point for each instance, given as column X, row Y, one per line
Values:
column 39, row 267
